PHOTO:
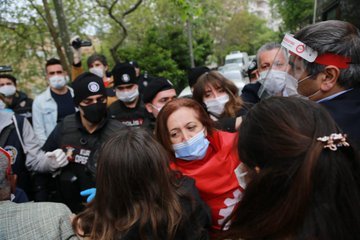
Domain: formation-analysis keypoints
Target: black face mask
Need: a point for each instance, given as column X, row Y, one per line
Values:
column 94, row 113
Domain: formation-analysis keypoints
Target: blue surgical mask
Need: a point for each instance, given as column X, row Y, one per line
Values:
column 193, row 149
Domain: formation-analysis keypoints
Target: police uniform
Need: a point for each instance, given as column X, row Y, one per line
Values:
column 22, row 105
column 9, row 140
column 131, row 117
column 124, row 73
column 79, row 144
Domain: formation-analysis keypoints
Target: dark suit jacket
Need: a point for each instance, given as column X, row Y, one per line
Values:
column 345, row 109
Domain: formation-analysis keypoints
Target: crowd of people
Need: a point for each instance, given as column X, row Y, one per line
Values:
column 114, row 154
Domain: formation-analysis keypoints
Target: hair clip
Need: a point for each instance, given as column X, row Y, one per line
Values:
column 334, row 141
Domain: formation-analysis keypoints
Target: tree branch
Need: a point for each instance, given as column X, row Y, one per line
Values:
column 133, row 8
column 119, row 21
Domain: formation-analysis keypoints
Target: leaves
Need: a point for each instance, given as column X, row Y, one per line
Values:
column 156, row 34
column 295, row 14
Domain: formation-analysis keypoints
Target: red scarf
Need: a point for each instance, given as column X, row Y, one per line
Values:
column 214, row 175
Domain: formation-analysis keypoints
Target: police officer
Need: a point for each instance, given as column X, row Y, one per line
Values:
column 157, row 93
column 16, row 100
column 129, row 108
column 80, row 135
column 17, row 137
column 143, row 79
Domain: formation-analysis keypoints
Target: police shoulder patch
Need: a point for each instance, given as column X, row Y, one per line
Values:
column 13, row 152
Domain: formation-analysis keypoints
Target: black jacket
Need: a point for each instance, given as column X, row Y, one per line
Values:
column 345, row 109
column 198, row 216
column 22, row 105
column 131, row 117
column 250, row 92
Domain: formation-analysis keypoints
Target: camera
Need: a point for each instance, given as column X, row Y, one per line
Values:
column 251, row 67
column 78, row 43
column 5, row 69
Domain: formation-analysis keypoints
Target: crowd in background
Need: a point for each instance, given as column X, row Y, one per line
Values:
column 114, row 154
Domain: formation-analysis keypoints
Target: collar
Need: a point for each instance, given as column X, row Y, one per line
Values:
column 334, row 95
column 48, row 93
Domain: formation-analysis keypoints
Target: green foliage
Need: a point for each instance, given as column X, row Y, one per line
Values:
column 163, row 52
column 245, row 32
column 188, row 8
column 157, row 35
column 295, row 14
column 156, row 61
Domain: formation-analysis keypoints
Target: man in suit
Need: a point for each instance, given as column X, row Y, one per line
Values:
column 26, row 220
column 332, row 78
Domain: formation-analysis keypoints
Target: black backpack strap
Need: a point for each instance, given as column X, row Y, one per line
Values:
column 5, row 134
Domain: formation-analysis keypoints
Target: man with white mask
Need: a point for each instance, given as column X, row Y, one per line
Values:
column 16, row 100
column 56, row 102
column 96, row 63
column 129, row 108
column 272, row 65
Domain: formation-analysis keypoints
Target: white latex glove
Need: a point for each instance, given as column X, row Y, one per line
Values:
column 56, row 159
column 76, row 51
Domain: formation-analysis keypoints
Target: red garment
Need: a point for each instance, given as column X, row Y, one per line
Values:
column 214, row 175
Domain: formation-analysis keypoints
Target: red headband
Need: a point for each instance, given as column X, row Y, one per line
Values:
column 333, row 59
column 330, row 59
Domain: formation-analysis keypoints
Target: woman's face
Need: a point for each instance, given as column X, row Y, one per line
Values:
column 213, row 91
column 183, row 124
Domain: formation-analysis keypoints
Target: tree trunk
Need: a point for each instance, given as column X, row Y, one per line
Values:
column 191, row 51
column 54, row 35
column 64, row 33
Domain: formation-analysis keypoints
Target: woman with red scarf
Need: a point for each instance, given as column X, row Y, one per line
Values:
column 203, row 153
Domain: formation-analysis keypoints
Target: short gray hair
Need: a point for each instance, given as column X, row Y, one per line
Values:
column 266, row 47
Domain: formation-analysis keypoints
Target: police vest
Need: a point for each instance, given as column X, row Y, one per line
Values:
column 9, row 140
column 131, row 117
column 80, row 146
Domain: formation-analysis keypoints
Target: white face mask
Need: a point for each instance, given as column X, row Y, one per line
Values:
column 291, row 86
column 57, row 81
column 158, row 109
column 98, row 71
column 216, row 106
column 273, row 81
column 8, row 90
column 127, row 97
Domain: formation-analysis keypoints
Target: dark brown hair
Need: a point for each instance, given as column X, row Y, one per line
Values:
column 162, row 131
column 338, row 37
column 52, row 61
column 135, row 190
column 302, row 191
column 214, row 78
